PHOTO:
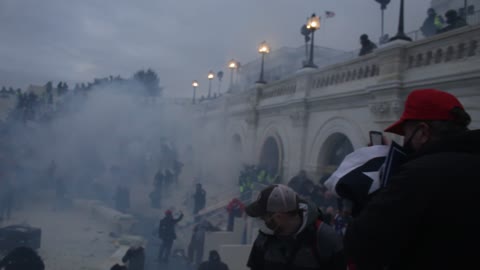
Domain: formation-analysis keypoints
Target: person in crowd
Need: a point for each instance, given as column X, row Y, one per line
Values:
column 156, row 194
column 454, row 21
column 297, row 181
column 168, row 179
column 295, row 236
column 22, row 258
column 432, row 24
column 118, row 267
column 197, row 243
column 200, row 198
column 404, row 225
column 177, row 170
column 135, row 257
column 367, row 45
column 214, row 262
column 166, row 232
column 235, row 208
column 6, row 197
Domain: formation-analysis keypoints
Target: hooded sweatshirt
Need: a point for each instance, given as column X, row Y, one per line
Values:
column 314, row 246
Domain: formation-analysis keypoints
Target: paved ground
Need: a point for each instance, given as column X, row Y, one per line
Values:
column 70, row 239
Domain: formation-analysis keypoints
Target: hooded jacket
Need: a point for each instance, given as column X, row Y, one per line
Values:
column 214, row 262
column 421, row 219
column 312, row 247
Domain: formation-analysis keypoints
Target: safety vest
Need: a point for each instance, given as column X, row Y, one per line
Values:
column 438, row 22
column 261, row 176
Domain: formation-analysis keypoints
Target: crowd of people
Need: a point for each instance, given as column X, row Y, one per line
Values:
column 403, row 224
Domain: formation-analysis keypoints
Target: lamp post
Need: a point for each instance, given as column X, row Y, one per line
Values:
column 263, row 49
column 383, row 7
column 313, row 24
column 195, row 85
column 401, row 33
column 465, row 11
column 232, row 65
column 210, row 77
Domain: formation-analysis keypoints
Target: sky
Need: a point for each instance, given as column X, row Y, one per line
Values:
column 76, row 41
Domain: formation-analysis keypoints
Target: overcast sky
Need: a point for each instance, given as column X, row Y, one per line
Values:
column 182, row 40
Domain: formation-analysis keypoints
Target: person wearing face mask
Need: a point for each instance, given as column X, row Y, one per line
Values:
column 404, row 226
column 295, row 237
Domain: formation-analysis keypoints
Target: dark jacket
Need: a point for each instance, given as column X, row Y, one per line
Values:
column 213, row 263
column 312, row 248
column 166, row 229
column 409, row 224
column 135, row 258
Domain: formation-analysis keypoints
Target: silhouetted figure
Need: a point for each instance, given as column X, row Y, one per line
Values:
column 214, row 262
column 235, row 209
column 197, row 243
column 6, row 199
column 166, row 232
column 135, row 257
column 199, row 199
column 453, row 21
column 177, row 170
column 156, row 194
column 432, row 24
column 118, row 267
column 22, row 258
column 168, row 179
column 367, row 45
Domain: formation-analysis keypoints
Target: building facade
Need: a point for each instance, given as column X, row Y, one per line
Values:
column 285, row 61
column 313, row 119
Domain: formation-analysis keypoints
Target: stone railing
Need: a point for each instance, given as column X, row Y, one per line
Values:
column 386, row 66
column 281, row 88
column 454, row 46
column 358, row 69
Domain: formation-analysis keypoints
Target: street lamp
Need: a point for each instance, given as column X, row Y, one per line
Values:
column 232, row 65
column 210, row 77
column 383, row 7
column 263, row 49
column 401, row 33
column 313, row 24
column 195, row 85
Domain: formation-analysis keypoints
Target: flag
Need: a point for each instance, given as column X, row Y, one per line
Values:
column 358, row 175
column 329, row 14
column 395, row 158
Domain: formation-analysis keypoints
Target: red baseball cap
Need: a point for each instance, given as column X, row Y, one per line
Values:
column 426, row 104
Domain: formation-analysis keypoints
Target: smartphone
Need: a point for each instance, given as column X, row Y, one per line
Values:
column 376, row 138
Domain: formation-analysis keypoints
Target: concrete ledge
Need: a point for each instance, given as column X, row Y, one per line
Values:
column 214, row 240
column 118, row 222
column 235, row 256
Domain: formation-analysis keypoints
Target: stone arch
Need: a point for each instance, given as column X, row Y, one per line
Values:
column 337, row 146
column 320, row 149
column 273, row 137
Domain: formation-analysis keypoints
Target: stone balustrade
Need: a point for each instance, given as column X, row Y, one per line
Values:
column 387, row 63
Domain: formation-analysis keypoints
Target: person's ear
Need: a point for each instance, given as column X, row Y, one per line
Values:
column 426, row 133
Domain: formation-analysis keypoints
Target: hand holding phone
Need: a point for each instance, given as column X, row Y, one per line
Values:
column 376, row 138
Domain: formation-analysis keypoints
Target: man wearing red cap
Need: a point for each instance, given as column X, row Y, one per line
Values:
column 408, row 225
column 166, row 232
